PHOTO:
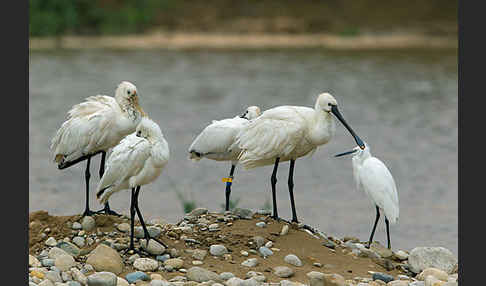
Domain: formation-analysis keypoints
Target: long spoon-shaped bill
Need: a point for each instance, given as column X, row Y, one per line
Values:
column 345, row 153
column 335, row 111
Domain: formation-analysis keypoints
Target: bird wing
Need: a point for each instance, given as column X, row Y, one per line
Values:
column 86, row 128
column 377, row 181
column 218, row 136
column 126, row 160
column 275, row 133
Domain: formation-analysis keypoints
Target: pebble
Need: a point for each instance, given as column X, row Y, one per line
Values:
column 437, row 273
column 153, row 247
column 258, row 241
column 217, row 249
column 261, row 224
column 293, row 259
column 175, row 263
column 76, row 226
column 74, row 283
column 121, row 282
column 285, row 230
column 160, row 258
column 105, row 258
column 145, row 264
column 158, row 282
column 432, row 281
column 251, row 262
column 66, row 276
column 199, row 274
column 226, row 276
column 397, row 283
column 34, row 262
column 244, row 253
column 329, row 244
column 283, row 271
column 269, row 244
column 421, row 258
column 123, row 227
column 69, row 247
column 243, row 213
column 102, row 279
column 213, row 227
column 79, row 241
column 265, row 252
column 37, row 274
column 137, row 275
column 88, row 223
column 78, row 276
column 197, row 262
column 382, row 276
column 401, row 255
column 46, row 283
column 54, row 276
column 64, row 262
column 51, row 241
column 48, row 262
column 234, row 281
column 199, row 254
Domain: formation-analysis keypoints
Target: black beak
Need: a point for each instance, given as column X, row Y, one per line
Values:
column 335, row 111
column 243, row 115
column 345, row 153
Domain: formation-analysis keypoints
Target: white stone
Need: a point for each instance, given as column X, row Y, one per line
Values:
column 145, row 264
column 293, row 259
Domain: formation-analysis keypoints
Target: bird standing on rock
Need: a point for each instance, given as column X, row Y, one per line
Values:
column 375, row 180
column 215, row 142
column 93, row 127
column 137, row 160
column 285, row 133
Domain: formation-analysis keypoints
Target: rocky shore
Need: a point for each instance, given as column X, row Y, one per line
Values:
column 238, row 248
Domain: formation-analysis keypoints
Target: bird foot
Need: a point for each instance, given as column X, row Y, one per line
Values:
column 147, row 238
column 108, row 211
column 88, row 212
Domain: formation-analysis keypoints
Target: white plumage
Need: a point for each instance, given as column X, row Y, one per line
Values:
column 94, row 126
column 137, row 160
column 216, row 142
column 373, row 178
column 286, row 133
column 97, row 124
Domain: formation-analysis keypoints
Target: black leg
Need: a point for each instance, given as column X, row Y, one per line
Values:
column 147, row 235
column 291, row 190
column 388, row 233
column 273, row 180
column 106, row 209
column 132, row 219
column 374, row 227
column 87, row 175
column 228, row 187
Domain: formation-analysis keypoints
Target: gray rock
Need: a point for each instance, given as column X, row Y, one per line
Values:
column 316, row 278
column 153, row 247
column 105, row 258
column 53, row 276
column 251, row 262
column 73, row 283
column 159, row 283
column 135, row 276
column 285, row 230
column 175, row 263
column 217, row 249
column 264, row 251
column 88, row 223
column 258, row 241
column 145, row 264
column 79, row 241
column 421, row 258
column 197, row 212
column 235, row 281
column 46, row 283
column 48, row 262
column 64, row 262
column 34, row 262
column 329, row 244
column 250, row 282
column 160, row 258
column 283, row 271
column 261, row 224
column 226, row 276
column 69, row 248
column 199, row 274
column 76, row 226
column 382, row 276
column 79, row 276
column 152, row 230
column 66, row 276
column 243, row 213
column 199, row 254
column 51, row 241
column 293, row 259
column 102, row 279
column 123, row 227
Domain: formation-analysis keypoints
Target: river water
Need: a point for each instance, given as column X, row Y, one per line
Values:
column 404, row 104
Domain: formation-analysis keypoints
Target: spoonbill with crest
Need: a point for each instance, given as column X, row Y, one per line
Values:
column 94, row 126
column 285, row 133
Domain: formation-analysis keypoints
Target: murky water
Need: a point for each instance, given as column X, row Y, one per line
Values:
column 403, row 103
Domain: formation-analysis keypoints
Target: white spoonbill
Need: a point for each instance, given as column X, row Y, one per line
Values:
column 215, row 141
column 94, row 126
column 137, row 160
column 286, row 133
column 373, row 177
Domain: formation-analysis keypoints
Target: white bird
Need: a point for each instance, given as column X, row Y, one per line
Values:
column 286, row 133
column 94, row 126
column 215, row 142
column 137, row 160
column 375, row 180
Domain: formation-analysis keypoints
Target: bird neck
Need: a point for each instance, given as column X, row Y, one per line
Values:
column 160, row 152
column 322, row 127
column 131, row 107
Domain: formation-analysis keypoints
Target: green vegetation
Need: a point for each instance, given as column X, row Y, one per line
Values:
column 232, row 204
column 187, row 204
column 345, row 17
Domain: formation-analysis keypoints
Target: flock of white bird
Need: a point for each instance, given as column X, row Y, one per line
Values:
column 140, row 151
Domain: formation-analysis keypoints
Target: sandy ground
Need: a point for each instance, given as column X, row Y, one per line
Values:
column 244, row 41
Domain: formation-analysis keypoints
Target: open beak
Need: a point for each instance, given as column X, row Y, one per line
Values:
column 243, row 115
column 335, row 111
column 346, row 153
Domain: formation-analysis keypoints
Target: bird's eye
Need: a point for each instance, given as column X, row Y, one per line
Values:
column 128, row 92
